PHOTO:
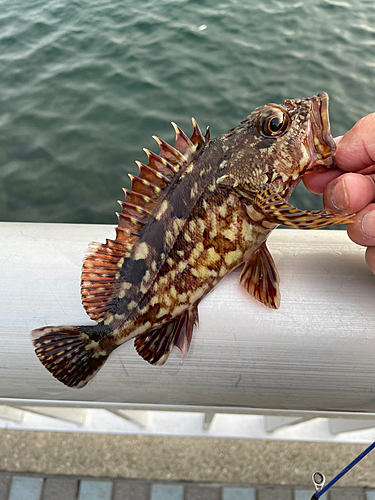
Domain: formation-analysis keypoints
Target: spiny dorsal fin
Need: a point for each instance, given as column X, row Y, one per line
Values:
column 99, row 277
column 182, row 143
column 197, row 136
column 100, row 280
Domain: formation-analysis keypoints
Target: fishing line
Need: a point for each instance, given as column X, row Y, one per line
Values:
column 319, row 479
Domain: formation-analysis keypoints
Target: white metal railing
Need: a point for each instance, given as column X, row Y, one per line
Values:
column 315, row 355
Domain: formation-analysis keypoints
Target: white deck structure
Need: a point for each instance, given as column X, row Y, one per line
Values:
column 314, row 357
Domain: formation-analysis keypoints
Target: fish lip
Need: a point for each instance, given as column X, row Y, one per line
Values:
column 319, row 141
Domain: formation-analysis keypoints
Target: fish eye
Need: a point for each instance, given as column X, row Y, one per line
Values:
column 274, row 123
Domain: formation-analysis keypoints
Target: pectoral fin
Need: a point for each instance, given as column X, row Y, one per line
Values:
column 260, row 278
column 276, row 210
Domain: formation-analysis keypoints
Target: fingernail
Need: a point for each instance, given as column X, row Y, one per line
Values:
column 339, row 196
column 338, row 139
column 368, row 224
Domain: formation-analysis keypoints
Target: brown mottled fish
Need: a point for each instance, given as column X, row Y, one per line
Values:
column 195, row 212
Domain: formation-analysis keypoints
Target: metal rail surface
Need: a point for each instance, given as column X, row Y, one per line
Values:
column 315, row 354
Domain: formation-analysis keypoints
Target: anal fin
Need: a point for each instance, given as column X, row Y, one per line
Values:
column 260, row 277
column 276, row 210
column 156, row 344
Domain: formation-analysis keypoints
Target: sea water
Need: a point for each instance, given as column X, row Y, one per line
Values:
column 85, row 83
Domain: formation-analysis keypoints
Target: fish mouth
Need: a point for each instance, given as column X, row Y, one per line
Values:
column 319, row 141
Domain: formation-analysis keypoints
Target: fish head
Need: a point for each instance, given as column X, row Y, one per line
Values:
column 310, row 126
column 277, row 144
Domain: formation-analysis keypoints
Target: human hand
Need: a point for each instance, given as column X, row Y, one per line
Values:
column 352, row 188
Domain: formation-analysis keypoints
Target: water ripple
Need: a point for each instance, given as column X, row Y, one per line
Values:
column 85, row 83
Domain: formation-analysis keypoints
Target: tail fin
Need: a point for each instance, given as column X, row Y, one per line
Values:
column 70, row 353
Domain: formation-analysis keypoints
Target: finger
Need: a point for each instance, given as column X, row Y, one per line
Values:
column 362, row 231
column 356, row 150
column 338, row 139
column 349, row 193
column 370, row 258
column 316, row 182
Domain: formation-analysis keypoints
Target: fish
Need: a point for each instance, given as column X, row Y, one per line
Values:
column 196, row 211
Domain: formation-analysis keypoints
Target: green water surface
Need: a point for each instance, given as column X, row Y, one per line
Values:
column 85, row 83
